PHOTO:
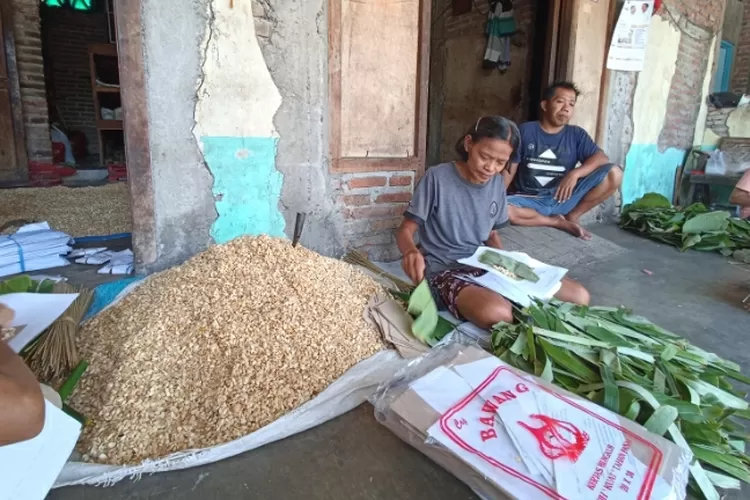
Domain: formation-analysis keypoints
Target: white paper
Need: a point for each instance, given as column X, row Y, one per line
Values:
column 531, row 442
column 441, row 388
column 520, row 291
column 120, row 262
column 627, row 52
column 30, row 468
column 34, row 312
column 84, row 252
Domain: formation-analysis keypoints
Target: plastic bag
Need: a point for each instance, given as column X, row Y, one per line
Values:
column 510, row 435
column 716, row 164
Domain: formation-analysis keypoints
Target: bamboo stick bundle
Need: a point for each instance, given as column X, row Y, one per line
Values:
column 358, row 258
column 54, row 355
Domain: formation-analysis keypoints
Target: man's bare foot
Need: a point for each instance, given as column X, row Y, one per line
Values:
column 574, row 228
column 572, row 218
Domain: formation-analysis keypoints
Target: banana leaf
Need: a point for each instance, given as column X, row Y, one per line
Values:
column 24, row 284
column 519, row 269
column 644, row 373
column 693, row 227
column 428, row 326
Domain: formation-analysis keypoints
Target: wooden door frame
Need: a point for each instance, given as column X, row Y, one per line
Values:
column 416, row 163
column 601, row 128
column 14, row 87
column 557, row 49
column 130, row 48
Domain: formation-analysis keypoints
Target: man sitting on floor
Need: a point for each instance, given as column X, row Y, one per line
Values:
column 549, row 189
column 741, row 196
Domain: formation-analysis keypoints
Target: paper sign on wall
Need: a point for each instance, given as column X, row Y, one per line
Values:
column 627, row 52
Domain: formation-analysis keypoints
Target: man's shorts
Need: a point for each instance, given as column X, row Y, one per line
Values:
column 545, row 203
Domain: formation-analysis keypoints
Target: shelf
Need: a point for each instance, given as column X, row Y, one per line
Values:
column 109, row 124
column 107, row 90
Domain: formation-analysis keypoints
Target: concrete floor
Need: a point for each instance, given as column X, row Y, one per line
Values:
column 353, row 457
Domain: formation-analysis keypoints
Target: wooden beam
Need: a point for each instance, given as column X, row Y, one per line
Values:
column 14, row 89
column 137, row 146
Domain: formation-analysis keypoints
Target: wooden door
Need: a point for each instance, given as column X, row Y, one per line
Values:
column 12, row 144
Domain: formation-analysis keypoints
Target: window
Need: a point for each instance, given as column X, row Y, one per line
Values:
column 724, row 67
column 378, row 69
column 84, row 5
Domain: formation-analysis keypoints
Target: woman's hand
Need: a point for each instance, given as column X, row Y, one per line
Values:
column 413, row 265
column 6, row 316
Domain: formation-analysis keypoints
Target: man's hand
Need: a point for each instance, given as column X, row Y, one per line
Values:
column 413, row 265
column 566, row 187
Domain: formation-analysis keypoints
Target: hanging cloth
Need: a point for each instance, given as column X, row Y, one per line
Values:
column 501, row 25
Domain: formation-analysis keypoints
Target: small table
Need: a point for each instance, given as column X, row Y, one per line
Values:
column 704, row 182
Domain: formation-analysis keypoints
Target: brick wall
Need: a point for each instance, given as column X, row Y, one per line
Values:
column 707, row 14
column 26, row 29
column 741, row 71
column 372, row 205
column 698, row 27
column 67, row 35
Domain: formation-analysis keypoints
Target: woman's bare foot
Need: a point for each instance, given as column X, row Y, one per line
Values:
column 573, row 228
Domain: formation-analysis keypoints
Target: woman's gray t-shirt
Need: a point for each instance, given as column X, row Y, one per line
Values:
column 455, row 216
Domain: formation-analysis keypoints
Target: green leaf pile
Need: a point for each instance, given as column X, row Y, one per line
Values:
column 642, row 372
column 654, row 217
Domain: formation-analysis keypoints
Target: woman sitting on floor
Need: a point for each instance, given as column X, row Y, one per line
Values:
column 458, row 207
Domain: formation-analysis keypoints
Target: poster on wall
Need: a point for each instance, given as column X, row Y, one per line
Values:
column 628, row 48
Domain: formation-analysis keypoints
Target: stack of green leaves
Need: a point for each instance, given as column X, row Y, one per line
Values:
column 653, row 216
column 642, row 372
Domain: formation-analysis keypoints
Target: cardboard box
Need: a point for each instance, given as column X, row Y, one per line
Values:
column 409, row 416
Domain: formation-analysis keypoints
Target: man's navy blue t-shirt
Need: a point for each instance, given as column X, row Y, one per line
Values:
column 544, row 159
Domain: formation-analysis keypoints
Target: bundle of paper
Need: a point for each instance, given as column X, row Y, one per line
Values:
column 514, row 286
column 33, row 247
column 511, row 435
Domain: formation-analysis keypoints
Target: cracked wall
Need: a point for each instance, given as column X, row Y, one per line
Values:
column 236, row 94
column 183, row 204
column 655, row 116
column 236, row 103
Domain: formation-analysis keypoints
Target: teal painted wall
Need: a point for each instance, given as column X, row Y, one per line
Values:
column 247, row 186
column 648, row 170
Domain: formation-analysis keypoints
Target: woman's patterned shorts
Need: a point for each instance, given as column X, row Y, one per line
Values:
column 448, row 284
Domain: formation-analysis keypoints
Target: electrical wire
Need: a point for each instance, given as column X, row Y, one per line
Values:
column 712, row 34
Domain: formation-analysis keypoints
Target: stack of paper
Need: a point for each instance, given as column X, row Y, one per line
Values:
column 33, row 247
column 511, row 435
column 520, row 291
